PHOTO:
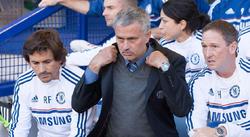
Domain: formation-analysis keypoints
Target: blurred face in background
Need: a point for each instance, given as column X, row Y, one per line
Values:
column 111, row 8
column 45, row 66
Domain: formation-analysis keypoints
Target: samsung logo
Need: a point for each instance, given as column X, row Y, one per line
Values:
column 52, row 121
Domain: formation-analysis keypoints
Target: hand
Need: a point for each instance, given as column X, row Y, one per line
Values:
column 155, row 59
column 78, row 45
column 104, row 57
column 45, row 3
column 204, row 132
column 157, row 33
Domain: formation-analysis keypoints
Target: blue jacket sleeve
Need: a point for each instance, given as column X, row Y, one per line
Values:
column 95, row 7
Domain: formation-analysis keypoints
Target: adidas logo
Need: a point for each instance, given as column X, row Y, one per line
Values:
column 211, row 92
column 230, row 11
column 34, row 99
column 242, row 10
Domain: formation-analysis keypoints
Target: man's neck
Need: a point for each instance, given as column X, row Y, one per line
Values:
column 228, row 72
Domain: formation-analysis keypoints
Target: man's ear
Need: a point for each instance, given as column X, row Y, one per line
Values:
column 233, row 47
column 148, row 33
column 147, row 36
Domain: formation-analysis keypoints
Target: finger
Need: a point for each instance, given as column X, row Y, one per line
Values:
column 196, row 134
column 114, row 60
column 113, row 56
column 148, row 62
column 41, row 5
column 114, row 49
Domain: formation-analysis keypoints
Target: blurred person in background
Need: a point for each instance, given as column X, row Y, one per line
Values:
column 97, row 8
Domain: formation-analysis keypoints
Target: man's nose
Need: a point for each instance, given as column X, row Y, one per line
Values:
column 104, row 12
column 42, row 67
column 126, row 44
column 208, row 52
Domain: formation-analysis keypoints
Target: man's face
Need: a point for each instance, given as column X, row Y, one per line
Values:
column 218, row 54
column 131, row 41
column 111, row 8
column 45, row 66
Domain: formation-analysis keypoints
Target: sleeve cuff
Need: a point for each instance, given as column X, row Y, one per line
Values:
column 90, row 76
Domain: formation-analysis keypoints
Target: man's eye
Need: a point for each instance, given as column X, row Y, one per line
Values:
column 35, row 63
column 47, row 62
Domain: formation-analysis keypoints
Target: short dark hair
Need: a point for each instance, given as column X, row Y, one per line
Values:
column 44, row 40
column 132, row 3
column 227, row 30
column 185, row 10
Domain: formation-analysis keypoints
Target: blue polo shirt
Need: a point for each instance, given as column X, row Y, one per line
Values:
column 152, row 7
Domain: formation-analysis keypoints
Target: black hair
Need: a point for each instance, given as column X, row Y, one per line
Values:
column 186, row 10
column 44, row 40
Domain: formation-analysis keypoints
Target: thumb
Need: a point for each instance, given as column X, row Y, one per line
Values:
column 147, row 61
column 41, row 5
